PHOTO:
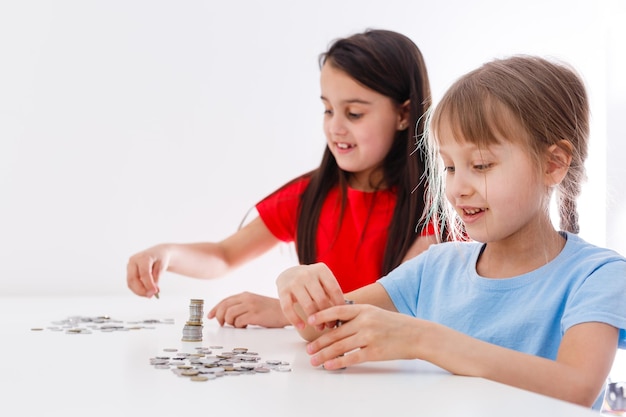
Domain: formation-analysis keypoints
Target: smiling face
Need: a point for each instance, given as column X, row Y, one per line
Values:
column 360, row 125
column 496, row 189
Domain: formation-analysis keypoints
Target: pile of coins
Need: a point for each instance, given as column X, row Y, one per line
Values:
column 203, row 365
column 192, row 332
column 86, row 324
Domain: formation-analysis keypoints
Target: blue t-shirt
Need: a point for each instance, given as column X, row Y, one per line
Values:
column 528, row 313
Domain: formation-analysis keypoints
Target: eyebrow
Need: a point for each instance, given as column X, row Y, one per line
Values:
column 350, row 101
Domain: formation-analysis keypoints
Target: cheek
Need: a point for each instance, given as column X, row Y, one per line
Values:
column 448, row 193
column 326, row 129
column 381, row 149
column 379, row 139
column 518, row 196
column 385, row 139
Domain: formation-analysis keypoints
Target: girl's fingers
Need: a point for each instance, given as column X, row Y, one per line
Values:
column 333, row 346
column 341, row 313
column 305, row 290
column 292, row 309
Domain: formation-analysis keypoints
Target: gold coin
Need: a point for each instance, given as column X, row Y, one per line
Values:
column 190, row 372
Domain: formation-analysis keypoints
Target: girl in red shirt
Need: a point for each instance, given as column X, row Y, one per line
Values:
column 359, row 211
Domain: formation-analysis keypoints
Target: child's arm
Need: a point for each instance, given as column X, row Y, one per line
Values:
column 584, row 360
column 578, row 375
column 199, row 260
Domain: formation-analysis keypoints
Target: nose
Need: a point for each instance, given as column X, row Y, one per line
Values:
column 336, row 125
column 458, row 186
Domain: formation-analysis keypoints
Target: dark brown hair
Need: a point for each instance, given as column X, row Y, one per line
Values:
column 392, row 65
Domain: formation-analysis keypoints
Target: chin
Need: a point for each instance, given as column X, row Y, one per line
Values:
column 345, row 167
column 477, row 236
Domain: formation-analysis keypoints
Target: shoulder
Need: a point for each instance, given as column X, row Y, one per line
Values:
column 585, row 267
column 439, row 266
column 279, row 210
column 580, row 251
column 293, row 188
column 454, row 250
column 446, row 256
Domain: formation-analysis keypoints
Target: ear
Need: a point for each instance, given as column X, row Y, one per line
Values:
column 558, row 160
column 403, row 116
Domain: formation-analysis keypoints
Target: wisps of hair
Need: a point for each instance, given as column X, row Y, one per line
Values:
column 438, row 211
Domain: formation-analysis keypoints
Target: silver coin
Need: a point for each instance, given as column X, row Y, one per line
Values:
column 215, row 370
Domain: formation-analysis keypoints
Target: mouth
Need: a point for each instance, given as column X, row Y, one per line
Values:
column 344, row 145
column 469, row 215
column 472, row 211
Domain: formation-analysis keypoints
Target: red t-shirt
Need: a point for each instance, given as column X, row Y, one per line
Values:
column 352, row 247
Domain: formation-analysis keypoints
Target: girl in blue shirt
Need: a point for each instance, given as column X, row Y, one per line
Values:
column 523, row 303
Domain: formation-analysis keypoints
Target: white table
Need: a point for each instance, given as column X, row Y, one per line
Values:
column 52, row 373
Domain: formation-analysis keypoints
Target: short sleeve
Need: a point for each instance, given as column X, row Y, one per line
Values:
column 279, row 210
column 601, row 297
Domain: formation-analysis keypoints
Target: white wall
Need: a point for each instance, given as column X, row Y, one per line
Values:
column 128, row 123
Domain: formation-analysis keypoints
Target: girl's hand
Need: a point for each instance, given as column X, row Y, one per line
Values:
column 145, row 268
column 306, row 289
column 246, row 309
column 367, row 333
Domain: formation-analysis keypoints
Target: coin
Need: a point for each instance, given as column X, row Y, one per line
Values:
column 190, row 372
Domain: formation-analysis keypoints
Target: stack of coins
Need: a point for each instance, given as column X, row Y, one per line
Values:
column 192, row 332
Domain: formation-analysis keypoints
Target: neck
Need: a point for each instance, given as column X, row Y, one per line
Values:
column 520, row 254
column 367, row 182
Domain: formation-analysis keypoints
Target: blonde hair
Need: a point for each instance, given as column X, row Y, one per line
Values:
column 547, row 100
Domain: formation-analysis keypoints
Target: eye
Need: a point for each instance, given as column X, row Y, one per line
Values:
column 354, row 116
column 449, row 169
column 482, row 167
column 328, row 112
